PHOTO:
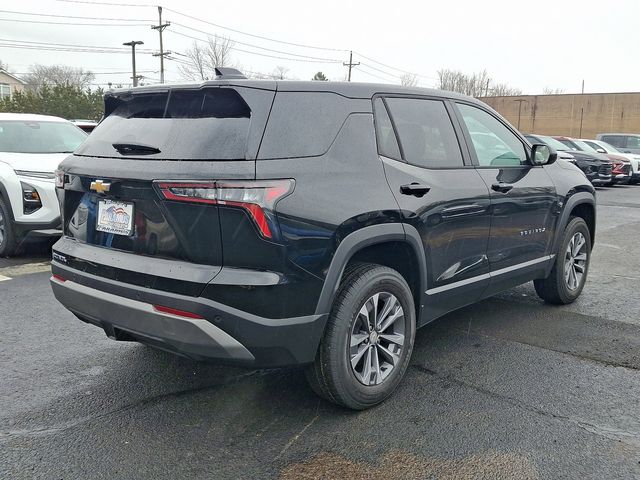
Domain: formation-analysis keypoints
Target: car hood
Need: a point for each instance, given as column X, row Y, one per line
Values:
column 593, row 157
column 33, row 162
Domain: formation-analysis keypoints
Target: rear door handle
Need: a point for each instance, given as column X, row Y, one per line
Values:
column 415, row 189
column 501, row 187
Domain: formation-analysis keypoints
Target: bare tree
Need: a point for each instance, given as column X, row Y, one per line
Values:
column 409, row 80
column 4, row 66
column 202, row 59
column 51, row 75
column 552, row 91
column 477, row 84
column 279, row 73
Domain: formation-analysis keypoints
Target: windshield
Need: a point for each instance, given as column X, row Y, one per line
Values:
column 39, row 137
column 584, row 147
column 608, row 147
column 555, row 144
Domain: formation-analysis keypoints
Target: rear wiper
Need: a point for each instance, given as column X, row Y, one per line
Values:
column 135, row 149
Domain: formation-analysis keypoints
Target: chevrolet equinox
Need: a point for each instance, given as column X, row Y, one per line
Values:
column 273, row 223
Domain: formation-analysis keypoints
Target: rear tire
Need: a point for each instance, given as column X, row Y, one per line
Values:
column 368, row 340
column 8, row 244
column 569, row 274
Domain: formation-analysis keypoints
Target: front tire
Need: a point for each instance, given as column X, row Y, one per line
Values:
column 8, row 244
column 569, row 274
column 368, row 340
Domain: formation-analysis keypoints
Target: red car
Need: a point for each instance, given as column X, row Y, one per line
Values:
column 620, row 166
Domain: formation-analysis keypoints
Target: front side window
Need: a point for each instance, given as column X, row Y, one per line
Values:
column 494, row 143
column 426, row 133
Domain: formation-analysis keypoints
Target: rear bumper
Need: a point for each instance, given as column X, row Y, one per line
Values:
column 224, row 334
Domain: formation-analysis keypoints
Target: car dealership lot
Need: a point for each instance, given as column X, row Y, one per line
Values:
column 508, row 388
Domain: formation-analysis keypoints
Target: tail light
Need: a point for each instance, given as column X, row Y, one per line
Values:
column 257, row 198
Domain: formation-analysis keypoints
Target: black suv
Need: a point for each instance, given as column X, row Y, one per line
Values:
column 270, row 223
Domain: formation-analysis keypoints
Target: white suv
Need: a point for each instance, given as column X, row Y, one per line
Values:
column 31, row 147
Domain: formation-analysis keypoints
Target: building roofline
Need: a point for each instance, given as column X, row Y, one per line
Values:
column 22, row 82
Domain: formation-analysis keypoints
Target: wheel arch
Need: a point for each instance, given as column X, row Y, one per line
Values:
column 367, row 244
column 4, row 195
column 581, row 205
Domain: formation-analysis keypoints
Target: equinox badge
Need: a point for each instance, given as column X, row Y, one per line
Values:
column 99, row 186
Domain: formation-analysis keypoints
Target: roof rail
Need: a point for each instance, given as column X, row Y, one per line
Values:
column 226, row 73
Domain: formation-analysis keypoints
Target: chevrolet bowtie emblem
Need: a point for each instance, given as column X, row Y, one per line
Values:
column 100, row 187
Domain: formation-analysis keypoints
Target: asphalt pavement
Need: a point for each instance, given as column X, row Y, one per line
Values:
column 508, row 388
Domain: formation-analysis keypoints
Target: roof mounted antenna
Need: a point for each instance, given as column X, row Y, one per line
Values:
column 226, row 73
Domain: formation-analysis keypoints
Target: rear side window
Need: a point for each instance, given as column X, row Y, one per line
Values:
column 426, row 133
column 189, row 124
column 303, row 124
column 387, row 142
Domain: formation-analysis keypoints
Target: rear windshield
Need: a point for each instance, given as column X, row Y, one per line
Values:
column 39, row 137
column 188, row 124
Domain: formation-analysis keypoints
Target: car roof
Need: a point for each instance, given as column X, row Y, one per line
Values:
column 622, row 134
column 30, row 117
column 347, row 89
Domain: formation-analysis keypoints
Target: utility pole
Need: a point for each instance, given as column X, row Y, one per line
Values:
column 350, row 65
column 133, row 44
column 160, row 27
column 520, row 100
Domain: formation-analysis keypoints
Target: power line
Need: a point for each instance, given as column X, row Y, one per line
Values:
column 308, row 57
column 76, row 17
column 254, row 35
column 48, row 44
column 74, row 23
column 269, row 39
column 257, row 53
column 109, row 3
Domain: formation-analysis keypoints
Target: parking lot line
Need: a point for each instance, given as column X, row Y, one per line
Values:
column 9, row 272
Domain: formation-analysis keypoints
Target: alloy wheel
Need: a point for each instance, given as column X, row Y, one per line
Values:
column 575, row 261
column 377, row 338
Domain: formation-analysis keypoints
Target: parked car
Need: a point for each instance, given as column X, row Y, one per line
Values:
column 603, row 147
column 85, row 125
column 561, row 149
column 620, row 166
column 315, row 223
column 31, row 147
column 596, row 168
column 625, row 142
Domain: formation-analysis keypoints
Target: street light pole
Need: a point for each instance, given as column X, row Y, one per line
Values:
column 133, row 44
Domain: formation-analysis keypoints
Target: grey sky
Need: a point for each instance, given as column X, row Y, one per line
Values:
column 526, row 45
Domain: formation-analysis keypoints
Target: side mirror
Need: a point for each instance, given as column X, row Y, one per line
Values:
column 601, row 150
column 542, row 154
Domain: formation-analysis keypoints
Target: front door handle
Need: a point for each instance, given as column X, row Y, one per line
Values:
column 415, row 189
column 501, row 187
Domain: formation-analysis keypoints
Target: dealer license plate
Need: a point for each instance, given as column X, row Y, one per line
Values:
column 115, row 217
